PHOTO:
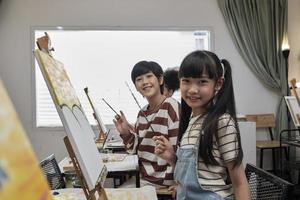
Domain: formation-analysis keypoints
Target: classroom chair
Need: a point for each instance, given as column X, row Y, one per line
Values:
column 52, row 172
column 266, row 186
column 267, row 121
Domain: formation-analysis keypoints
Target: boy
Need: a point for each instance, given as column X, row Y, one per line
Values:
column 159, row 117
column 171, row 81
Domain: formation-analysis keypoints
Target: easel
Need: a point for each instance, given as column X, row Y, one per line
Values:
column 89, row 194
column 293, row 83
column 44, row 44
column 97, row 192
column 102, row 136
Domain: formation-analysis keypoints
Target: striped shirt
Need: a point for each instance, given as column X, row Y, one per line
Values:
column 164, row 121
column 225, row 149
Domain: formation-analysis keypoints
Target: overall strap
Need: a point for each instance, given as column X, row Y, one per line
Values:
column 198, row 139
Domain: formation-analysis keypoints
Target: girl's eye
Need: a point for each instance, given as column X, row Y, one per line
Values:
column 138, row 79
column 202, row 81
column 185, row 80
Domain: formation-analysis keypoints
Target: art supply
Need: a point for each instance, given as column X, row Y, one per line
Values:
column 106, row 138
column 144, row 115
column 55, row 193
column 160, row 161
column 110, row 106
column 96, row 115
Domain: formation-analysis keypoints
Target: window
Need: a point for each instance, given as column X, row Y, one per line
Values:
column 102, row 61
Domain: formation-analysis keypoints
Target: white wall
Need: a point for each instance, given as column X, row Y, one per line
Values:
column 294, row 37
column 17, row 16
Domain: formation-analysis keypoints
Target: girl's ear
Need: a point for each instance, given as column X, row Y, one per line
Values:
column 219, row 83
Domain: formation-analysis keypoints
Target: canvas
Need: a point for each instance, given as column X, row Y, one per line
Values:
column 20, row 174
column 73, row 118
column 294, row 109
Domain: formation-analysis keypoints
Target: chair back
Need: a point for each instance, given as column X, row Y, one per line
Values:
column 52, row 172
column 265, row 186
column 263, row 121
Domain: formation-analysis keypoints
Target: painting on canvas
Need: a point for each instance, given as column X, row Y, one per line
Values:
column 20, row 174
column 294, row 109
column 73, row 118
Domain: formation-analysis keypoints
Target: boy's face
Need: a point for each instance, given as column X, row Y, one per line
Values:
column 148, row 84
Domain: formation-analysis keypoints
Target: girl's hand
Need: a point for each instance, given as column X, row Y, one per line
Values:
column 173, row 188
column 122, row 125
column 164, row 149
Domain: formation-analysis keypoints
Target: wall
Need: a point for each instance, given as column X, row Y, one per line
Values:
column 17, row 17
column 294, row 36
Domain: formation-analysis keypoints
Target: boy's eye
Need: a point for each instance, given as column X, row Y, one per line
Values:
column 138, row 79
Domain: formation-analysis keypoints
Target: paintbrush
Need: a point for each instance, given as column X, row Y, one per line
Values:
column 106, row 138
column 110, row 106
column 136, row 101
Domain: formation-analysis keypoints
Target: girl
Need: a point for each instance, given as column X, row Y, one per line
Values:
column 209, row 140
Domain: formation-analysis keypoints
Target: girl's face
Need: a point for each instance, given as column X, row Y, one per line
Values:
column 148, row 85
column 197, row 92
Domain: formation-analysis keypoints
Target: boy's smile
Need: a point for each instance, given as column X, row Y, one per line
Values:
column 148, row 85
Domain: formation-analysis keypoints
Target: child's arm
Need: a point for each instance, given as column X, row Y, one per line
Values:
column 164, row 149
column 239, row 181
column 126, row 131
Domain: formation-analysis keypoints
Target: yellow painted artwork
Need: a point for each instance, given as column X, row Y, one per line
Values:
column 56, row 75
column 20, row 174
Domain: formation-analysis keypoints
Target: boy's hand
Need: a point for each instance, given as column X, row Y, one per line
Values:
column 164, row 149
column 122, row 125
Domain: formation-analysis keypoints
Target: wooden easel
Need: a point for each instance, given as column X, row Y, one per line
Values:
column 44, row 44
column 293, row 83
column 90, row 194
column 98, row 192
column 102, row 136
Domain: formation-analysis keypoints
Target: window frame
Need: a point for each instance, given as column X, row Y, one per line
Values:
column 92, row 28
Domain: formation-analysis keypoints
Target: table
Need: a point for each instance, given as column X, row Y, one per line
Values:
column 117, row 165
column 115, row 146
column 143, row 193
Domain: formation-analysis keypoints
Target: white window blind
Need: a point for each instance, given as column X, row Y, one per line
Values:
column 102, row 61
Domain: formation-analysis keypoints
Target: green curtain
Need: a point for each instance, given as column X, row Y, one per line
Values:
column 258, row 28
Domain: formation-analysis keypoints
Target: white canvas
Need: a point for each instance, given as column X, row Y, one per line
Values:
column 294, row 109
column 73, row 118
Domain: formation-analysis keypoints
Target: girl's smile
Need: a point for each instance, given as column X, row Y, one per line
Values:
column 197, row 92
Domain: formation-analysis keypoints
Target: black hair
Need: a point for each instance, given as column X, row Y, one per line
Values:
column 171, row 79
column 195, row 65
column 144, row 67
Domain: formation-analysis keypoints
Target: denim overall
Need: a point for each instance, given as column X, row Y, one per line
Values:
column 186, row 176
